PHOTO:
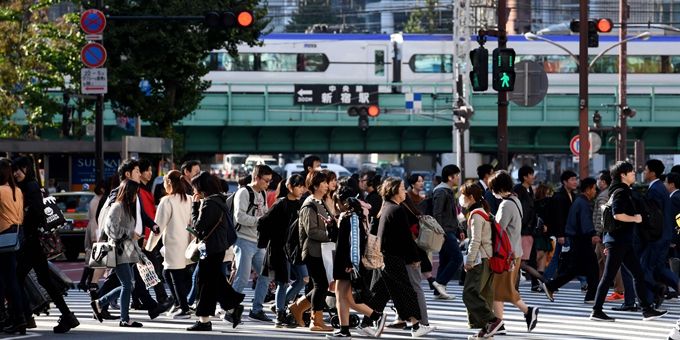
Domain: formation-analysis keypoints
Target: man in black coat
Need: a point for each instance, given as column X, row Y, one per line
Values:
column 561, row 203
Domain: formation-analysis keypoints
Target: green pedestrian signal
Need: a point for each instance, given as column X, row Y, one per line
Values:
column 503, row 69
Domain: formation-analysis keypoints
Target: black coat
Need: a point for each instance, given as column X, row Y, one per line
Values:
column 397, row 239
column 342, row 259
column 209, row 214
column 276, row 223
column 561, row 205
column 34, row 208
column 375, row 201
column 526, row 197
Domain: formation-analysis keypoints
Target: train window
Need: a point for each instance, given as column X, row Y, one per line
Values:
column 379, row 63
column 675, row 64
column 222, row 61
column 312, row 62
column 431, row 63
column 278, row 62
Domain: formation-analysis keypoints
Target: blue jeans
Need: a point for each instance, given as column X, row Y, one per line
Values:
column 550, row 272
column 450, row 259
column 125, row 275
column 248, row 256
column 300, row 272
column 191, row 298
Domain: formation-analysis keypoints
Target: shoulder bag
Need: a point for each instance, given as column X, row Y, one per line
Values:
column 102, row 255
column 373, row 258
column 193, row 251
column 10, row 239
column 431, row 235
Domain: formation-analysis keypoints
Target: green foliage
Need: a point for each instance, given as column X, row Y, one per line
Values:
column 423, row 19
column 312, row 12
column 168, row 54
column 36, row 55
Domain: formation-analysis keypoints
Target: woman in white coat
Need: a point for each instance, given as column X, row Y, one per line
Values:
column 173, row 216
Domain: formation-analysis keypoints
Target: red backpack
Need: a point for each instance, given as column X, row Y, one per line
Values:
column 502, row 259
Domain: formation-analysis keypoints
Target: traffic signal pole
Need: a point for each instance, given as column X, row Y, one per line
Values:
column 622, row 136
column 584, row 148
column 99, row 128
column 502, row 95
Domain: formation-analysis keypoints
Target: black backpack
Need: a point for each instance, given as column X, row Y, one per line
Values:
column 293, row 247
column 251, row 205
column 651, row 227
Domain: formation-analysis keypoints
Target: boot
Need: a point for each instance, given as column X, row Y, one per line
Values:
column 318, row 324
column 282, row 320
column 66, row 322
column 298, row 308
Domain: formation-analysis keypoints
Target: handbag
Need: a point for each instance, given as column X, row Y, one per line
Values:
column 373, row 257
column 431, row 235
column 193, row 251
column 102, row 255
column 148, row 272
column 10, row 239
column 51, row 244
column 53, row 214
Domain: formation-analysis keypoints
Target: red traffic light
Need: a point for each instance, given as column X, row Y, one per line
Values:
column 244, row 19
column 604, row 25
column 374, row 111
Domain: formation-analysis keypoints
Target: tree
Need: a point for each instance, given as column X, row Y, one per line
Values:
column 36, row 55
column 422, row 19
column 311, row 12
column 168, row 54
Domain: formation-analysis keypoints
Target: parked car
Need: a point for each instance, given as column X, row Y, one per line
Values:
column 75, row 206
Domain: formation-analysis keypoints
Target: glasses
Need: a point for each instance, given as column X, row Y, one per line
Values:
column 363, row 180
column 266, row 180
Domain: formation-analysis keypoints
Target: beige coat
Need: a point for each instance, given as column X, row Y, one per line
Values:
column 173, row 216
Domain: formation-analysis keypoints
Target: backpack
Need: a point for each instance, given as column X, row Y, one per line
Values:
column 609, row 224
column 293, row 248
column 251, row 205
column 264, row 225
column 651, row 227
column 228, row 221
column 502, row 256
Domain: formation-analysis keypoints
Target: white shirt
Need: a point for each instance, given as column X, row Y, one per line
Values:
column 486, row 187
column 671, row 195
column 650, row 184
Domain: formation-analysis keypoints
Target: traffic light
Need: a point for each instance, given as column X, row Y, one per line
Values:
column 479, row 76
column 595, row 26
column 364, row 112
column 503, row 67
column 229, row 19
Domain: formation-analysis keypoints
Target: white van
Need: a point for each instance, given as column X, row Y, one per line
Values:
column 232, row 164
column 296, row 168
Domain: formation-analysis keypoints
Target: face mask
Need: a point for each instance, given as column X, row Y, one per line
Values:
column 461, row 201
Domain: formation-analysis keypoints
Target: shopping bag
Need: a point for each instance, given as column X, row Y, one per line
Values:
column 148, row 272
column 328, row 254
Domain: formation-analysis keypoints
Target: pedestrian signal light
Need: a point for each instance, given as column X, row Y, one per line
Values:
column 503, row 68
column 479, row 76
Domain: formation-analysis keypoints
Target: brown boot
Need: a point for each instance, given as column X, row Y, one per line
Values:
column 317, row 324
column 298, row 308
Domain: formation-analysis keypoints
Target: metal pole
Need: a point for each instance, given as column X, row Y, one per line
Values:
column 99, row 129
column 584, row 150
column 621, row 138
column 502, row 95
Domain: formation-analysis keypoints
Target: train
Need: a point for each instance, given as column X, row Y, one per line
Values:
column 294, row 58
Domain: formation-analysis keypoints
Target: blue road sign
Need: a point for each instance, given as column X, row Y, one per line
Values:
column 93, row 55
column 93, row 21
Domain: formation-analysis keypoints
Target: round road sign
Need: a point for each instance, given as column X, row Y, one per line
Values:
column 93, row 21
column 93, row 55
column 595, row 143
column 574, row 145
column 531, row 83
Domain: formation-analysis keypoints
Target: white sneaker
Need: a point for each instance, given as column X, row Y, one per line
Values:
column 422, row 330
column 445, row 297
column 674, row 334
column 367, row 331
column 440, row 288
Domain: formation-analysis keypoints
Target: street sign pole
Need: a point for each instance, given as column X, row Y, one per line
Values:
column 502, row 95
column 99, row 128
column 583, row 91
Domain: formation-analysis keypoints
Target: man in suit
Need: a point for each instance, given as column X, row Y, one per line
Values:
column 654, row 254
column 484, row 172
column 673, row 186
column 562, row 203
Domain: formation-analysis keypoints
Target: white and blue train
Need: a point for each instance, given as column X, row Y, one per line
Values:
column 288, row 58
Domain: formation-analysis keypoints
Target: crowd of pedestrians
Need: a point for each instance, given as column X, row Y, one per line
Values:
column 355, row 240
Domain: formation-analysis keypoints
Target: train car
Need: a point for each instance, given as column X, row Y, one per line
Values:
column 290, row 58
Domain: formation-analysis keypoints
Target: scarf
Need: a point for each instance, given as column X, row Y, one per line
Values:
column 354, row 253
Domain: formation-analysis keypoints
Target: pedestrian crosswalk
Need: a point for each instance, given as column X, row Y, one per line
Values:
column 564, row 319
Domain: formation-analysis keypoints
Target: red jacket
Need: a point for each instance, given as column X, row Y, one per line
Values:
column 147, row 202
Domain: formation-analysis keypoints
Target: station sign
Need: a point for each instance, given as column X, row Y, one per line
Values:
column 336, row 94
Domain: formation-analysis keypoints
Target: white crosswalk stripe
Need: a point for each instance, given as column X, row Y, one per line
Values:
column 565, row 319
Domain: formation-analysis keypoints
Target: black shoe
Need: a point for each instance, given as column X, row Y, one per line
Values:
column 282, row 320
column 236, row 316
column 107, row 316
column 30, row 323
column 17, row 328
column 651, row 314
column 96, row 309
column 260, row 316
column 201, row 327
column 501, row 331
column 626, row 308
column 66, row 322
column 584, row 288
column 598, row 315
column 133, row 324
column 339, row 335
column 160, row 308
column 83, row 286
column 531, row 318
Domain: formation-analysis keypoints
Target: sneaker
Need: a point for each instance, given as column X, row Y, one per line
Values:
column 493, row 326
column 614, row 297
column 367, row 331
column 439, row 288
column 132, row 324
column 379, row 325
column 584, row 288
column 626, row 308
column 66, row 322
column 445, row 297
column 422, row 330
column 674, row 333
column 107, row 316
column 532, row 318
column 397, row 324
column 182, row 314
column 501, row 330
column 549, row 293
column 651, row 314
column 201, row 327
column 598, row 315
column 338, row 335
column 172, row 311
column 260, row 316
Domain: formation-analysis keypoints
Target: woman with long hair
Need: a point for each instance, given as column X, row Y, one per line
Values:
column 31, row 255
column 332, row 180
column 542, row 242
column 173, row 216
column 478, row 288
column 119, row 228
column 351, row 243
column 91, row 236
column 11, row 216
column 274, row 224
column 209, row 220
